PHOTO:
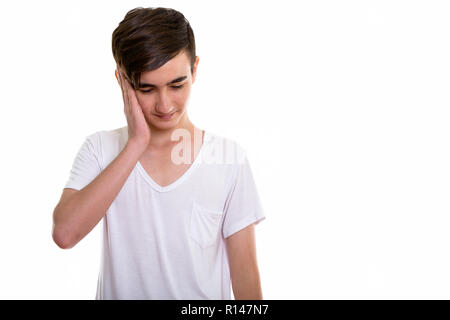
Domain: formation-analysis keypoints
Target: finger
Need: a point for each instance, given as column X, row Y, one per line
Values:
column 133, row 96
column 128, row 88
column 125, row 84
column 128, row 97
column 122, row 78
column 121, row 86
column 118, row 73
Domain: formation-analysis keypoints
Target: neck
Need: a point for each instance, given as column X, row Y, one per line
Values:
column 161, row 139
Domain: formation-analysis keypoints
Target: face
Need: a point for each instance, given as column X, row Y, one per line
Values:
column 164, row 93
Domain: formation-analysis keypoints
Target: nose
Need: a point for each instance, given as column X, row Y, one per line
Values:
column 163, row 105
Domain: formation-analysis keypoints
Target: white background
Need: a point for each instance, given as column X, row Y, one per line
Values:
column 343, row 107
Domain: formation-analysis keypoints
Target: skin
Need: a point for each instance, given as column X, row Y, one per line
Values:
column 245, row 279
column 164, row 99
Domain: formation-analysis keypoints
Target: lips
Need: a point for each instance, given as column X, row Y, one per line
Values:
column 166, row 116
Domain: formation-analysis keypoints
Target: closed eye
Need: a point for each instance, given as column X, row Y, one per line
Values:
column 174, row 87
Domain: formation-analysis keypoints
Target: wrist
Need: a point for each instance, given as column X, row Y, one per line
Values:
column 136, row 146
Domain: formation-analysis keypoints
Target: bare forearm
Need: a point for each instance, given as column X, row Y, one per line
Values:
column 247, row 287
column 81, row 213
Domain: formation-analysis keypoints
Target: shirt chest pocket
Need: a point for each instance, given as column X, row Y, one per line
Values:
column 204, row 226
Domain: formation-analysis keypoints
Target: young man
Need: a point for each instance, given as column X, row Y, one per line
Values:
column 178, row 217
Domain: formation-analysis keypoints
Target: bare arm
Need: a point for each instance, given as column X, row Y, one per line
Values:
column 241, row 250
column 75, row 218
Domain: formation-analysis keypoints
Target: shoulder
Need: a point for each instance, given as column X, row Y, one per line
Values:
column 111, row 134
column 110, row 137
column 107, row 144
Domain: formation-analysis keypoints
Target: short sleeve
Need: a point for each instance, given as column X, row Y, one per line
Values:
column 243, row 206
column 86, row 166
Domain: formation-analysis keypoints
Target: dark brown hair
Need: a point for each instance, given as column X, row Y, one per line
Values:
column 149, row 37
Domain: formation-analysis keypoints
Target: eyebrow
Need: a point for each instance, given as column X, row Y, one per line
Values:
column 146, row 85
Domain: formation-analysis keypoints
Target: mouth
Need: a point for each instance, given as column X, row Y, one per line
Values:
column 166, row 117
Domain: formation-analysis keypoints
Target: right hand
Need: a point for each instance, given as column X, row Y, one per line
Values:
column 138, row 130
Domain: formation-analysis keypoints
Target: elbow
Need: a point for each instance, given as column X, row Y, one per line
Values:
column 62, row 243
column 61, row 238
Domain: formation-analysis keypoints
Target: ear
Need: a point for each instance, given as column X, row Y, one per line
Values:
column 194, row 73
column 117, row 77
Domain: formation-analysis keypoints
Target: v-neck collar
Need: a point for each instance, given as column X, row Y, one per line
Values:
column 185, row 175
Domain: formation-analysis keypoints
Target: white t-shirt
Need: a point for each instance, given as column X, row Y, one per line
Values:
column 169, row 242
